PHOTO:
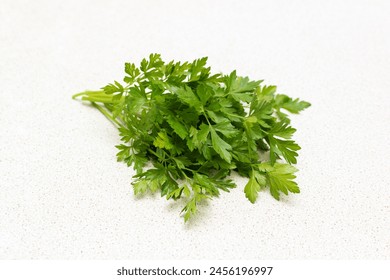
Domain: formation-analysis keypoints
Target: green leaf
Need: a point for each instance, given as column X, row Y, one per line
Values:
column 281, row 179
column 187, row 96
column 177, row 126
column 266, row 93
column 285, row 148
column 132, row 71
column 154, row 62
column 204, row 92
column 198, row 69
column 241, row 88
column 175, row 194
column 226, row 128
column 136, row 100
column 140, row 187
column 220, row 146
column 282, row 129
column 279, row 147
column 163, row 141
column 292, row 105
column 191, row 207
column 217, row 117
column 203, row 133
column 113, row 88
column 254, row 185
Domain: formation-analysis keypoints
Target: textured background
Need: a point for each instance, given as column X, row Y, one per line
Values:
column 64, row 196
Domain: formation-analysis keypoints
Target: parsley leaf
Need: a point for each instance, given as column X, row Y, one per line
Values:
column 256, row 182
column 220, row 146
column 280, row 179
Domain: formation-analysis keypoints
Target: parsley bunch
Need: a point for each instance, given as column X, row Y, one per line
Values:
column 196, row 127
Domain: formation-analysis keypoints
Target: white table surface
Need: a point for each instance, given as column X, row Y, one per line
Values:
column 64, row 196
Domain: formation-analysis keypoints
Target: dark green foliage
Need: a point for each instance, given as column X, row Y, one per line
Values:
column 196, row 127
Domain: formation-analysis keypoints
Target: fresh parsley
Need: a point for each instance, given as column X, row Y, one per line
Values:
column 196, row 127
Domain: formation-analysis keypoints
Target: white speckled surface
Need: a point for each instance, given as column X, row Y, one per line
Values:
column 64, row 196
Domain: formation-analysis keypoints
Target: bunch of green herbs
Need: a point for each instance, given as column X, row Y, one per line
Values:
column 195, row 128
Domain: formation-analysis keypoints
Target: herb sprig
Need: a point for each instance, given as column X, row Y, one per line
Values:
column 196, row 127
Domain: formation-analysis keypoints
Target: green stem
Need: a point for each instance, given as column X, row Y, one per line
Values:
column 108, row 116
column 88, row 93
column 102, row 99
column 207, row 119
column 153, row 152
column 96, row 96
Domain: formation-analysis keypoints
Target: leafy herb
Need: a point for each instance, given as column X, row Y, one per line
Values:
column 196, row 127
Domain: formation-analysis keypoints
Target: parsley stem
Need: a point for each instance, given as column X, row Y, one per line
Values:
column 105, row 113
column 207, row 119
column 87, row 92
column 96, row 96
column 154, row 153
